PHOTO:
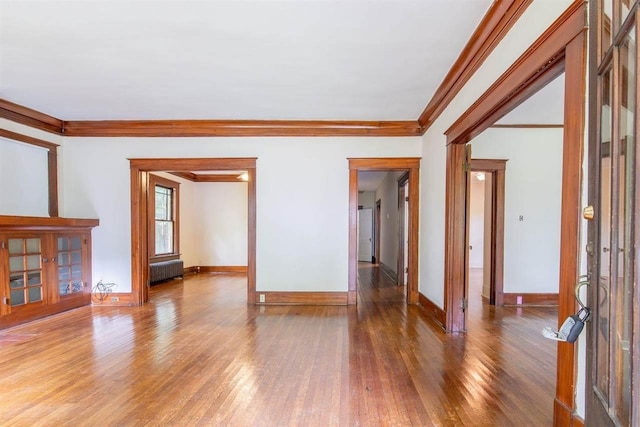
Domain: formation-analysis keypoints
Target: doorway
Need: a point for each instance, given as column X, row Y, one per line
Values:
column 411, row 164
column 486, row 263
column 140, row 169
column 560, row 49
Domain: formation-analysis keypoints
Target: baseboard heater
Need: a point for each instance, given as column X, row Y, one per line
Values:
column 165, row 270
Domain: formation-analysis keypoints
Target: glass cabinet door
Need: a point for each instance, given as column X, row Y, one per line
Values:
column 70, row 274
column 25, row 272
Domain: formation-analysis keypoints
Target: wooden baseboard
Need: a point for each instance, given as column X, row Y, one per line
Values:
column 221, row 269
column 115, row 299
column 302, row 298
column 530, row 299
column 190, row 270
column 388, row 271
column 438, row 314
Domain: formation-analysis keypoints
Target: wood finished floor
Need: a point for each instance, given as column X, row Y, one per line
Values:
column 198, row 355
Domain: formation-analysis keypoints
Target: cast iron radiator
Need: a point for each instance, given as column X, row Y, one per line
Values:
column 164, row 270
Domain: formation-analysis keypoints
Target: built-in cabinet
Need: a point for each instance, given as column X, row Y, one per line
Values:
column 45, row 266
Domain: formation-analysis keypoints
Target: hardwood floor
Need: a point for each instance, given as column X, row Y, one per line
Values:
column 198, row 355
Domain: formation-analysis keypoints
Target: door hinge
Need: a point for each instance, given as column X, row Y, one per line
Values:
column 7, row 301
column 406, row 270
column 463, row 303
column 406, row 199
column 466, row 167
column 3, row 245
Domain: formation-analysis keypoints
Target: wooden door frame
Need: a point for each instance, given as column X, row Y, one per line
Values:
column 140, row 169
column 562, row 47
column 376, row 231
column 412, row 164
column 401, row 236
column 497, row 168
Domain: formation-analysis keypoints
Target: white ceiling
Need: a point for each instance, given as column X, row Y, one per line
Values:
column 231, row 59
column 370, row 180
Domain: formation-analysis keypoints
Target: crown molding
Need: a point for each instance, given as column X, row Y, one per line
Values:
column 29, row 117
column 497, row 22
column 247, row 128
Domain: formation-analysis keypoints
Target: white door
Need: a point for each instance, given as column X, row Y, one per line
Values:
column 365, row 234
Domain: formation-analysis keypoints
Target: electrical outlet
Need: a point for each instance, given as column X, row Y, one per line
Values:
column 262, row 298
column 115, row 299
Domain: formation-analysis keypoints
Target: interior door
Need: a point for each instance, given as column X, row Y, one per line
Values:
column 613, row 388
column 365, row 234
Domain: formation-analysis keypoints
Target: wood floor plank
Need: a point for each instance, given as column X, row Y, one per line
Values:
column 198, row 355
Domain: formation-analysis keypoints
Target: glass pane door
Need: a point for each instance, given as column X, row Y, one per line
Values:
column 25, row 271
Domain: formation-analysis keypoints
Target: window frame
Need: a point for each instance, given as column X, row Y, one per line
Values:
column 155, row 180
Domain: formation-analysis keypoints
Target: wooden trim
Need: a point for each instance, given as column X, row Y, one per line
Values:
column 122, row 300
column 4, row 133
column 455, row 246
column 45, row 223
column 530, row 299
column 151, row 201
column 572, row 155
column 195, row 177
column 398, row 163
column 576, row 420
column 139, row 232
column 52, row 164
column 497, row 168
column 29, row 117
column 213, row 128
column 526, row 126
column 52, row 181
column 539, row 64
column 194, row 164
column 384, row 163
column 303, row 298
column 222, row 269
column 497, row 22
column 190, row 270
column 389, row 272
column 436, row 312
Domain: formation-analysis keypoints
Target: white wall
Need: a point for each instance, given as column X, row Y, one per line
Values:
column 533, row 185
column 220, row 225
column 28, row 165
column 302, row 205
column 535, row 20
column 387, row 193
column 367, row 199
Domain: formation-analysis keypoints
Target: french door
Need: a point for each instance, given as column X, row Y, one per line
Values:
column 613, row 351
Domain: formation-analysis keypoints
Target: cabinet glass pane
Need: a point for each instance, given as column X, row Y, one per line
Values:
column 63, row 244
column 63, row 258
column 76, row 258
column 602, row 338
column 34, row 278
column 16, row 263
column 16, row 280
column 64, row 288
column 63, row 273
column 17, row 297
column 76, row 271
column 15, row 246
column 606, row 8
column 35, row 294
column 33, row 262
column 33, row 246
column 76, row 286
column 76, row 243
column 624, row 283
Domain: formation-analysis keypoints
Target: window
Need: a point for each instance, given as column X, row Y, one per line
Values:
column 163, row 214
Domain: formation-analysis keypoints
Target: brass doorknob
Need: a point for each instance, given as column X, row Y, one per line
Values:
column 588, row 213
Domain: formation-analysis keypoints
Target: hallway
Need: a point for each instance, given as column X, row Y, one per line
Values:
column 198, row 355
